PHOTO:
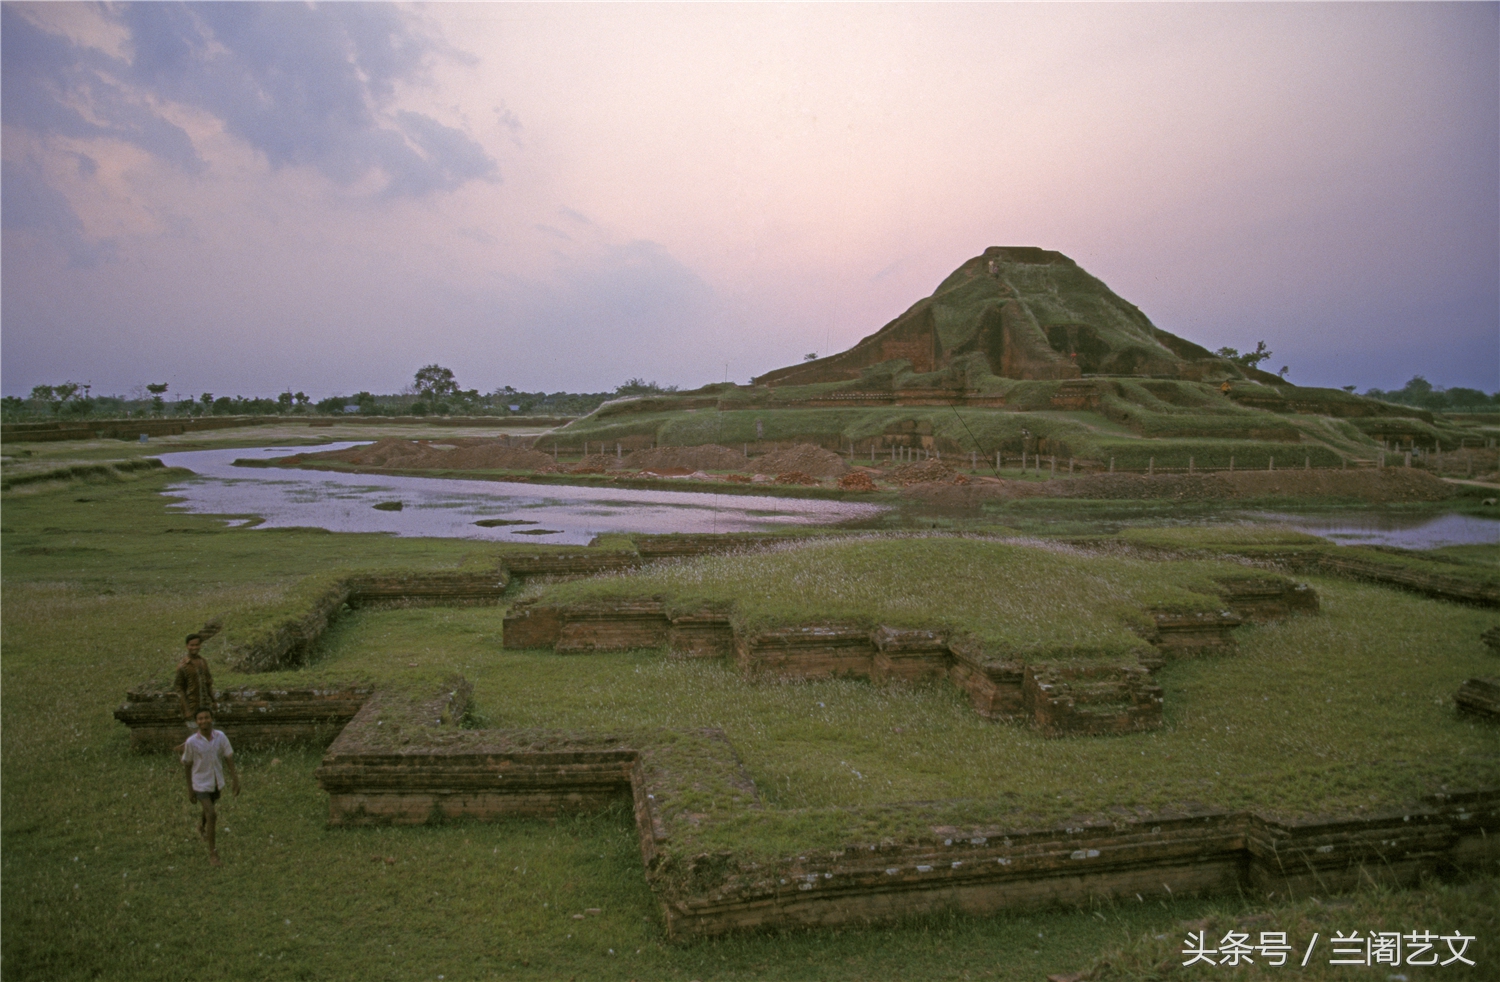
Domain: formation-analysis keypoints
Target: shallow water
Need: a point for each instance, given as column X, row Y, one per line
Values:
column 1402, row 531
column 449, row 508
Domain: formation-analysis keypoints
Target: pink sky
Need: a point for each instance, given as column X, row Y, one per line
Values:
column 245, row 198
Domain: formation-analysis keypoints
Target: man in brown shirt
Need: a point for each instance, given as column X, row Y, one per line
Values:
column 194, row 683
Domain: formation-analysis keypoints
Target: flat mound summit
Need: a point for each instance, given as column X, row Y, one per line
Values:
column 1031, row 314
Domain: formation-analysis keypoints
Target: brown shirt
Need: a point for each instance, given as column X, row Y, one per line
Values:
column 196, row 684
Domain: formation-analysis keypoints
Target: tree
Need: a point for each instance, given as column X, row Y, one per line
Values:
column 156, row 389
column 433, row 382
column 640, row 387
column 284, row 401
column 1249, row 359
column 810, row 356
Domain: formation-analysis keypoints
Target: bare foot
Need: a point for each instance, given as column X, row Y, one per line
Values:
column 213, row 859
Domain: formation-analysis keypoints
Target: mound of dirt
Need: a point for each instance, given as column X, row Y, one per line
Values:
column 922, row 473
column 450, row 455
column 803, row 457
column 795, row 477
column 1377, row 486
column 708, row 457
column 856, row 481
column 594, row 463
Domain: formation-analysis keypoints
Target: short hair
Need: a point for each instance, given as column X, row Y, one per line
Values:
column 193, row 637
column 202, row 710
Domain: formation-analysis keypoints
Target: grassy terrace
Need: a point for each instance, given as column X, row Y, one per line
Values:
column 105, row 878
column 1345, row 711
column 1031, row 599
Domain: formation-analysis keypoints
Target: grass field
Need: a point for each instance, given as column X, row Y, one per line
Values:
column 104, row 877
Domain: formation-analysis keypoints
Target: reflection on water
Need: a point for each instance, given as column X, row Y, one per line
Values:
column 1402, row 531
column 492, row 510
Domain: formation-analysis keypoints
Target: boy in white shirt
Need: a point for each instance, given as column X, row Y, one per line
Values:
column 203, row 758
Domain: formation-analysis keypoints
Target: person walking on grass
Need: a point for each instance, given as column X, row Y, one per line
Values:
column 204, row 757
column 194, row 683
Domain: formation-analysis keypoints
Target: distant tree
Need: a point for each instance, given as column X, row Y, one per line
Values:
column 284, row 401
column 302, row 399
column 434, row 382
column 1348, row 388
column 1249, row 359
column 810, row 356
column 1459, row 396
column 640, row 387
column 333, row 404
column 157, row 403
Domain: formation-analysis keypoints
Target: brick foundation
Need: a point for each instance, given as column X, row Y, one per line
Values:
column 250, row 718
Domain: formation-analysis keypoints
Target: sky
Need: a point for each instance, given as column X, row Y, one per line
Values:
column 249, row 198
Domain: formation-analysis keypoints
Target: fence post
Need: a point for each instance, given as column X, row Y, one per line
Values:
column 617, row 451
column 1271, row 463
column 997, row 461
column 1070, row 465
column 1307, row 462
column 1053, row 472
column 1190, row 463
column 973, row 460
column 1380, row 466
column 1111, row 465
column 1231, row 463
column 1150, row 465
column 1408, row 458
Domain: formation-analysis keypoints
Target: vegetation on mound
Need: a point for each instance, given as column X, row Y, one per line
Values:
column 1031, row 600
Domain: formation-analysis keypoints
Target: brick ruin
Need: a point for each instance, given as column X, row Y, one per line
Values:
column 1060, row 697
column 257, row 718
column 401, row 761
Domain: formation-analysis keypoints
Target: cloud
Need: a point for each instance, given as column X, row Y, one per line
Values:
column 28, row 203
column 303, row 86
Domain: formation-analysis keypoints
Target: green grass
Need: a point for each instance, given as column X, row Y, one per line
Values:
column 1015, row 598
column 100, row 864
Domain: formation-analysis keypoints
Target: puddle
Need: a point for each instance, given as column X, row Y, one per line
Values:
column 490, row 510
column 1404, row 532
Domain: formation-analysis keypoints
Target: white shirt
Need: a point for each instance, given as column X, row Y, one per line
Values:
column 207, row 758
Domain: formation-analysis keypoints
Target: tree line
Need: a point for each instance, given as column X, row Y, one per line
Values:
column 434, row 391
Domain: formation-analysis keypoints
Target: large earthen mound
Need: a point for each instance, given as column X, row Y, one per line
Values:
column 803, row 457
column 708, row 457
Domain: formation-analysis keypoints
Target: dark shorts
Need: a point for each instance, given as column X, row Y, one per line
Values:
column 207, row 795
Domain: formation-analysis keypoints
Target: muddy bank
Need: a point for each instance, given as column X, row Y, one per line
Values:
column 1374, row 486
column 456, row 454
